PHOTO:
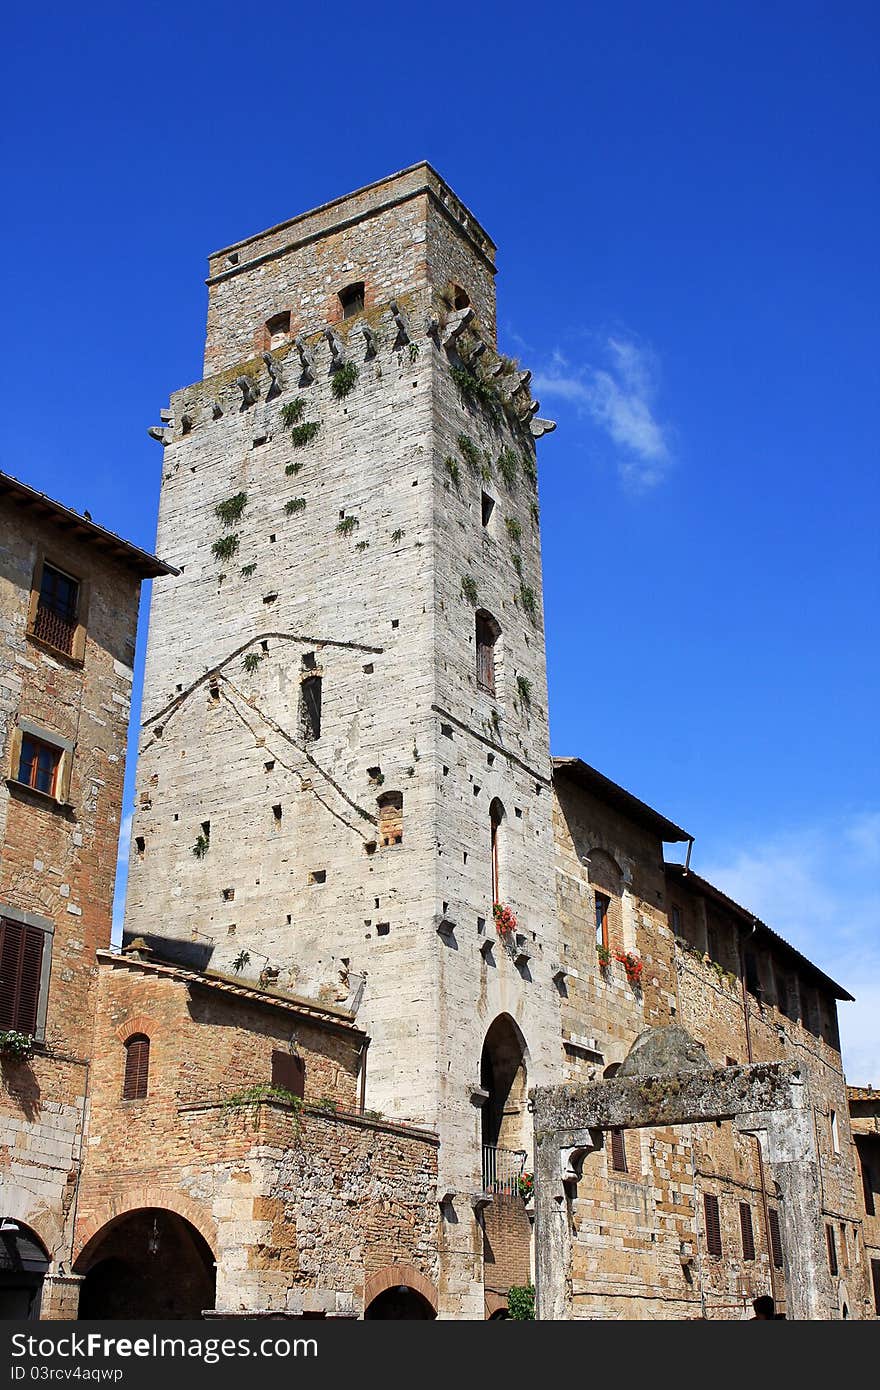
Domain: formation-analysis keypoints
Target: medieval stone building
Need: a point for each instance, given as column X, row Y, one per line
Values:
column 367, row 914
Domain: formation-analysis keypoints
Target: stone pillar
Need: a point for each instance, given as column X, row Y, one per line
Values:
column 552, row 1234
column 60, row 1297
column 788, row 1144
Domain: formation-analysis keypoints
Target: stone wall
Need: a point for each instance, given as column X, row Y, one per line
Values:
column 58, row 861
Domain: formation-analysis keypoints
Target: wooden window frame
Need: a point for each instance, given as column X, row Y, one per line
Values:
column 617, row 1150
column 77, row 651
column 712, row 1219
column 485, row 626
column 136, row 1076
column 747, row 1230
column 29, row 923
column 602, row 936
column 497, row 816
column 831, row 1244
column 26, row 728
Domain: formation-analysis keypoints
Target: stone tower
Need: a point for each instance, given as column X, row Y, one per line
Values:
column 345, row 755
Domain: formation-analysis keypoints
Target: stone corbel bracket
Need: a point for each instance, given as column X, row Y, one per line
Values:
column 250, row 391
column 274, row 370
column 306, row 362
column 337, row 349
column 162, row 435
column 541, row 427
column 400, row 323
column 371, row 341
column 455, row 326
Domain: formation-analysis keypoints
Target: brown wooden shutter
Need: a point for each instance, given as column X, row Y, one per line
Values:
column 289, row 1073
column 137, row 1068
column 775, row 1237
column 713, row 1224
column 748, row 1234
column 868, row 1188
column 21, row 961
column 618, row 1151
column 832, row 1249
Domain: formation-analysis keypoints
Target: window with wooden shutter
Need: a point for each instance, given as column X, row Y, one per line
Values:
column 487, row 635
column 748, row 1234
column 832, row 1248
column 603, row 902
column 713, row 1225
column 289, row 1073
column 618, row 1151
column 868, row 1188
column 775, row 1237
column 21, row 964
column 137, row 1068
column 55, row 618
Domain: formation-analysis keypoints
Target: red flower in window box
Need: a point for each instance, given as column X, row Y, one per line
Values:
column 632, row 965
column 505, row 921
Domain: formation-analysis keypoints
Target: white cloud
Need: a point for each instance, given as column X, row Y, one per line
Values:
column 619, row 397
column 818, row 888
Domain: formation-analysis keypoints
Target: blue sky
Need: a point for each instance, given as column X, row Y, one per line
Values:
column 685, row 201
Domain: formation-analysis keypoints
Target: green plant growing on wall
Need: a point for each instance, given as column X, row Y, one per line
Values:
column 413, row 351
column 343, row 381
column 250, row 1100
column 507, row 467
column 347, row 525
column 475, row 389
column 514, row 530
column 200, row 848
column 521, row 1302
column 453, row 470
column 495, row 721
column 252, row 661
column 293, row 468
column 524, row 686
column 327, row 1103
column 469, row 452
column 362, row 545
column 225, row 547
column 296, row 504
column 469, row 588
column 248, row 570
column 304, row 433
column 230, row 511
column 516, row 561
column 17, row 1046
column 530, row 470
column 292, row 413
column 535, row 513
column 241, row 960
column 397, row 536
column 529, row 602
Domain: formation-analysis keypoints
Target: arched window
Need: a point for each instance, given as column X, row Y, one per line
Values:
column 390, row 806
column 137, row 1067
column 352, row 299
column 496, row 818
column 487, row 635
column 606, row 881
column 278, row 329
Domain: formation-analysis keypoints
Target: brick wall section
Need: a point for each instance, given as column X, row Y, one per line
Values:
column 60, row 863
column 507, row 1235
column 297, row 1208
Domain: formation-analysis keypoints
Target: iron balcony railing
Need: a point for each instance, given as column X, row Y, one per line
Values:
column 502, row 1169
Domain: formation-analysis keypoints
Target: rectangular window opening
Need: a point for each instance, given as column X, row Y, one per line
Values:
column 713, row 1225
column 57, row 605
column 38, row 765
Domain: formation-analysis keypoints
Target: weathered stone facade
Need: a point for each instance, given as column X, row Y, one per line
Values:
column 58, row 860
column 362, row 558
column 864, row 1111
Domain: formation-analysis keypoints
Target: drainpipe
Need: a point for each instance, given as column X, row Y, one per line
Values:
column 750, row 1057
column 363, row 1068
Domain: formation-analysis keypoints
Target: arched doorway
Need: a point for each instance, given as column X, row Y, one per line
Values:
column 504, row 1075
column 400, row 1302
column 23, row 1265
column 149, row 1263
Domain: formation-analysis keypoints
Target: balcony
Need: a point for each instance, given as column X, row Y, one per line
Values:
column 502, row 1169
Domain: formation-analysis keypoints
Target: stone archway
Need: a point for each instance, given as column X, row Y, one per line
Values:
column 147, row 1263
column 23, row 1265
column 399, row 1292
